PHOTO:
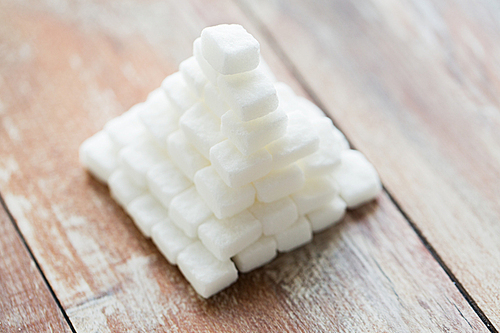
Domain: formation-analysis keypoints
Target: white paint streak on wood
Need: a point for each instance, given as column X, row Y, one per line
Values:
column 8, row 166
column 19, row 207
column 91, row 316
column 11, row 129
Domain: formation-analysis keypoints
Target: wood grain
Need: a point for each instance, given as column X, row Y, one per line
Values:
column 65, row 70
column 415, row 85
column 26, row 304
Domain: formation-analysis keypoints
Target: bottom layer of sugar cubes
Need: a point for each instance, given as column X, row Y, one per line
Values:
column 219, row 182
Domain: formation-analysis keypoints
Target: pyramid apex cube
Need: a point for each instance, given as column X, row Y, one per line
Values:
column 230, row 49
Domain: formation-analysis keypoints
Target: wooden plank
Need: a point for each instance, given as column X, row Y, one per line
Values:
column 415, row 86
column 69, row 68
column 26, row 303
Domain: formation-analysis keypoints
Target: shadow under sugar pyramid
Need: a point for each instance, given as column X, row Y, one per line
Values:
column 223, row 167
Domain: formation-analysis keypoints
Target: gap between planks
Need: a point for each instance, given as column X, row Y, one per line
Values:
column 35, row 261
column 314, row 97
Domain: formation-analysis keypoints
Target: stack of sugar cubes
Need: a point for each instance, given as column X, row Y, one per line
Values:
column 223, row 167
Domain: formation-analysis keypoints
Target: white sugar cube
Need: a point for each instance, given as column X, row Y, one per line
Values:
column 226, row 237
column 202, row 128
column 210, row 73
column 158, row 117
column 250, row 95
column 341, row 138
column 214, row 100
column 298, row 234
column 253, row 135
column 188, row 210
column 264, row 67
column 184, row 155
column 256, row 254
column 193, row 75
column 122, row 188
column 223, row 200
column 236, row 169
column 169, row 239
column 165, row 181
column 126, row 129
column 286, row 96
column 207, row 274
column 279, row 183
column 315, row 193
column 146, row 211
column 327, row 157
column 299, row 141
column 137, row 159
column 357, row 178
column 275, row 216
column 230, row 49
column 178, row 92
column 338, row 136
column 157, row 99
column 308, row 108
column 327, row 215
column 99, row 155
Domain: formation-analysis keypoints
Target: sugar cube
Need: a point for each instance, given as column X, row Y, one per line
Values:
column 315, row 193
column 146, row 211
column 256, row 254
column 298, row 234
column 158, row 117
column 308, row 108
column 178, row 92
column 223, row 200
column 210, row 73
column 275, row 216
column 357, row 178
column 184, row 155
column 157, row 99
column 188, row 210
column 327, row 215
column 279, row 183
column 264, row 67
column 122, row 188
column 169, row 239
column 193, row 75
column 126, row 129
column 344, row 144
column 250, row 95
column 236, row 169
column 230, row 49
column 286, row 97
column 214, row 100
column 99, row 155
column 226, row 237
column 253, row 135
column 207, row 274
column 327, row 157
column 165, row 181
column 202, row 128
column 299, row 141
column 324, row 123
column 136, row 160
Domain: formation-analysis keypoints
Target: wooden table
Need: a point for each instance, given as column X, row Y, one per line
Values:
column 415, row 85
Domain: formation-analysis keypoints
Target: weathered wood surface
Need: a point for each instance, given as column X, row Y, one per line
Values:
column 415, row 85
column 66, row 68
column 26, row 304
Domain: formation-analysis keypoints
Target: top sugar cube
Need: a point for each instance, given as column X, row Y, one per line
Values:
column 230, row 49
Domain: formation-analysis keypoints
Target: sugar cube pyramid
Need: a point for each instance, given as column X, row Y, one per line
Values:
column 223, row 167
